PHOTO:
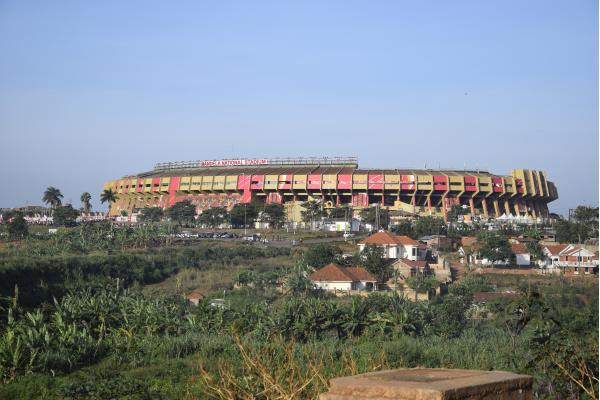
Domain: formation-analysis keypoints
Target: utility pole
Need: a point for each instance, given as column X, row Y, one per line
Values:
column 245, row 224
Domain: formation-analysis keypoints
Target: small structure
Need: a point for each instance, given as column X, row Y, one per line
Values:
column 195, row 297
column 431, row 384
column 522, row 256
column 394, row 246
column 341, row 225
column 438, row 242
column 404, row 269
column 333, row 277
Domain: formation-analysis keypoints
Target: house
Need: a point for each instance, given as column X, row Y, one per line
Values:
column 395, row 246
column 470, row 253
column 405, row 268
column 522, row 256
column 333, row 277
column 438, row 242
column 569, row 258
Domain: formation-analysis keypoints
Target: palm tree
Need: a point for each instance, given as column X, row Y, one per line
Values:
column 52, row 196
column 85, row 201
column 108, row 196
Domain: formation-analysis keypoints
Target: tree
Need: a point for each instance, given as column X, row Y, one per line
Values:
column 274, row 215
column 86, row 201
column 213, row 217
column 17, row 227
column 313, row 210
column 65, row 215
column 372, row 260
column 339, row 212
column 405, row 228
column 421, row 283
column 183, row 212
column 52, row 196
column 243, row 215
column 376, row 216
column 298, row 283
column 321, row 254
column 109, row 197
column 451, row 315
column 535, row 250
column 151, row 214
column 427, row 226
column 495, row 247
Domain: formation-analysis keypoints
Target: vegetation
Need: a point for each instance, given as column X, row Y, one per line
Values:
column 86, row 204
column 584, row 226
column 151, row 214
column 100, row 311
column 52, row 196
column 182, row 212
column 108, row 197
column 376, row 216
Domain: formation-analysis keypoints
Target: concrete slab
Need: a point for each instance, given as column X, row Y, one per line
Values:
column 431, row 384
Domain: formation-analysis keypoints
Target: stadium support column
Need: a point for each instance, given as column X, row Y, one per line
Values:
column 507, row 207
column 429, row 203
column 496, row 208
column 484, row 206
column 531, row 209
column 472, row 205
column 444, row 211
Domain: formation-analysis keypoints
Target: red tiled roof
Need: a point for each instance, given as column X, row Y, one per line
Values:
column 389, row 238
column 361, row 274
column 336, row 273
column 519, row 248
column 554, row 249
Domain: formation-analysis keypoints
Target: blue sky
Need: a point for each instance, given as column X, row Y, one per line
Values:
column 91, row 91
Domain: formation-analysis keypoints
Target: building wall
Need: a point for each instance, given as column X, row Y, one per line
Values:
column 333, row 285
column 524, row 192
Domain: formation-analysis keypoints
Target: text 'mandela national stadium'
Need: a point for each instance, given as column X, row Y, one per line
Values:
column 336, row 181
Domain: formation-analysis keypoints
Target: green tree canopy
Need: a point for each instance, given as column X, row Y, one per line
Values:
column 182, row 212
column 273, row 214
column 405, row 228
column 369, row 216
column 86, row 199
column 339, row 212
column 427, row 226
column 151, row 214
column 213, row 217
column 65, row 215
column 109, row 197
column 495, row 247
column 242, row 214
column 17, row 226
column 321, row 254
column 52, row 196
column 313, row 211
column 372, row 260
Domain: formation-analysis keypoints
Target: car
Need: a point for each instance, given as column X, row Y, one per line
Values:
column 348, row 235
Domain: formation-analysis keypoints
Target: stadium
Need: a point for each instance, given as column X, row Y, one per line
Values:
column 335, row 181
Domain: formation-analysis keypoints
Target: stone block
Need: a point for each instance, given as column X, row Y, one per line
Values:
column 431, row 384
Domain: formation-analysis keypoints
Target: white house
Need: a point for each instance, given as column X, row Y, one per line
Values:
column 569, row 258
column 395, row 246
column 522, row 256
column 333, row 277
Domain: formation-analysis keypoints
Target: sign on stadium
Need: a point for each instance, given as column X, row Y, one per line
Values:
column 229, row 163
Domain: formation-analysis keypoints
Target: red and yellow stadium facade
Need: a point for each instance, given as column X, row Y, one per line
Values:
column 337, row 182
